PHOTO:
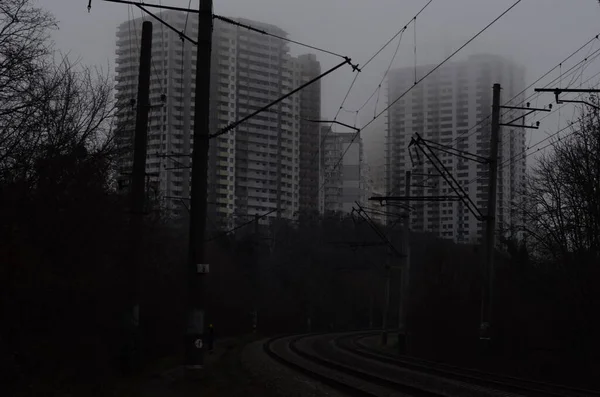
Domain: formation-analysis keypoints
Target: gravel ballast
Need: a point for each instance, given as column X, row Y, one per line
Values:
column 282, row 380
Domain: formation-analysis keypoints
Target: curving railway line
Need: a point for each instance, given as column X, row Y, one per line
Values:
column 347, row 363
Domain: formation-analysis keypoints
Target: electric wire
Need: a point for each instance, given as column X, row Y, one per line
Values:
column 264, row 32
column 557, row 109
column 378, row 89
column 369, row 60
column 509, row 161
column 594, row 38
column 581, row 63
column 444, row 61
column 425, row 76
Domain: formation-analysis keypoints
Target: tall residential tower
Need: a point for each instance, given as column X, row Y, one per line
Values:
column 254, row 168
column 344, row 171
column 443, row 108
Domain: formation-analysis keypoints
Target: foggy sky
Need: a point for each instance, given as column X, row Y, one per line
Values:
column 537, row 34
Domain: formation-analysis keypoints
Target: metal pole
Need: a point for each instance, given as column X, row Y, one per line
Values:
column 255, row 275
column 386, row 299
column 138, row 188
column 405, row 280
column 488, row 267
column 197, row 268
column 371, row 301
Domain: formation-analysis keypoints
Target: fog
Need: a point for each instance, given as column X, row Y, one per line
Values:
column 537, row 34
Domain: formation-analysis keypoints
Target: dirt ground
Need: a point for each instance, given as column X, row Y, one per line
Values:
column 223, row 375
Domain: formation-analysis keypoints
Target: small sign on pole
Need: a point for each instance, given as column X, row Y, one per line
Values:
column 203, row 268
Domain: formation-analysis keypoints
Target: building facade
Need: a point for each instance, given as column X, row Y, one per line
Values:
column 443, row 108
column 254, row 168
column 344, row 181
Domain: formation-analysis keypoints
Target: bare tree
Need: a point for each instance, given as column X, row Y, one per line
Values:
column 47, row 109
column 24, row 55
column 562, row 209
column 56, row 160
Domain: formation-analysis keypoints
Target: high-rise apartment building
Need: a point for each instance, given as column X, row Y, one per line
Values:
column 443, row 108
column 344, row 179
column 253, row 169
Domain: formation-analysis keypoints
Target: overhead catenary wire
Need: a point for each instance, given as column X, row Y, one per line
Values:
column 264, row 32
column 557, row 109
column 424, row 77
column 181, row 34
column 524, row 153
column 594, row 38
column 415, row 47
column 241, row 226
column 398, row 33
column 583, row 67
column 378, row 89
column 573, row 70
column 431, row 72
column 439, row 65
column 387, row 43
column 511, row 159
column 187, row 16
column 235, row 124
column 268, row 106
column 369, row 60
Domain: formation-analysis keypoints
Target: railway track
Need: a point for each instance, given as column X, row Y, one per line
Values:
column 526, row 387
column 346, row 363
column 350, row 381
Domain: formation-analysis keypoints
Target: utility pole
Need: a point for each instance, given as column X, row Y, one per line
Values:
column 371, row 302
column 490, row 235
column 373, row 277
column 388, row 268
column 138, row 192
column 405, row 274
column 255, row 274
column 386, row 299
column 197, row 266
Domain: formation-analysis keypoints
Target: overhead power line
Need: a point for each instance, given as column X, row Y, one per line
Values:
column 142, row 6
column 555, row 110
column 507, row 162
column 241, row 226
column 383, row 47
column 473, row 130
column 439, row 65
column 424, row 77
column 388, row 42
column 378, row 89
column 529, row 86
column 261, row 31
column 266, row 107
column 181, row 33
column 398, row 33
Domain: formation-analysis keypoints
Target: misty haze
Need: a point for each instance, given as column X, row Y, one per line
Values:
column 314, row 198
